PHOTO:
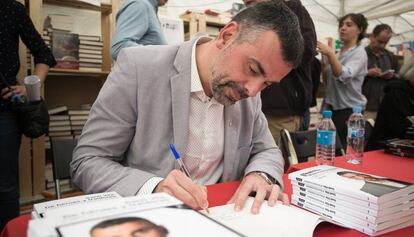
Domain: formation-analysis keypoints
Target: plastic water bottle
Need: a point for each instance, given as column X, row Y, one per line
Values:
column 325, row 140
column 355, row 138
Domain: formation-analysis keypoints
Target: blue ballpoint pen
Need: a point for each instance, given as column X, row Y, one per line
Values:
column 181, row 164
column 179, row 160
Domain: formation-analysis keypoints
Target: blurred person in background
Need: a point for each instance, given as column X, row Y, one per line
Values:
column 286, row 103
column 383, row 66
column 15, row 22
column 396, row 105
column 137, row 23
column 344, row 72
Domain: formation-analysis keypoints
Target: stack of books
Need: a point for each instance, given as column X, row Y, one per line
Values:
column 90, row 52
column 59, row 125
column 400, row 147
column 78, row 118
column 67, row 122
column 370, row 204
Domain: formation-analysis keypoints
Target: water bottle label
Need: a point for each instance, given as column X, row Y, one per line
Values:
column 355, row 133
column 325, row 137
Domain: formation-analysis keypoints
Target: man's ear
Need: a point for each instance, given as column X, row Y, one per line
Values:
column 227, row 34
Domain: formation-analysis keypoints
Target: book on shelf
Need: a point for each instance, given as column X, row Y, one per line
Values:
column 85, row 50
column 59, row 117
column 60, row 133
column 370, row 204
column 59, row 123
column 78, row 117
column 77, row 127
column 78, row 122
column 88, row 55
column 91, row 60
column 58, row 110
column 91, row 65
column 65, row 48
column 158, row 210
column 40, row 210
column 59, row 128
column 78, row 112
column 90, row 37
column 91, row 42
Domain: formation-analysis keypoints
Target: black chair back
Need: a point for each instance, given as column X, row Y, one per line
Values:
column 304, row 145
column 62, row 149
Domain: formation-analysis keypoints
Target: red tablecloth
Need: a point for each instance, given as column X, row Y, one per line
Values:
column 376, row 162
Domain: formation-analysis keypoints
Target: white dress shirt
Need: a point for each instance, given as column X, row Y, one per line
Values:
column 203, row 155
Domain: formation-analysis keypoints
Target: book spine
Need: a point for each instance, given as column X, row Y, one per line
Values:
column 355, row 211
column 357, row 197
column 335, row 197
column 330, row 216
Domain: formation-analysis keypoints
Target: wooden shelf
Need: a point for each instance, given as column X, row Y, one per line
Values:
column 83, row 72
column 210, row 20
column 81, row 5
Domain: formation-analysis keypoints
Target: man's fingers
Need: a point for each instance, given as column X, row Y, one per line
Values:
column 285, row 198
column 241, row 197
column 258, row 200
column 181, row 187
column 273, row 196
column 198, row 193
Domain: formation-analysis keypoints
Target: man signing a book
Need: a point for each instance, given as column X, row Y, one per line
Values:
column 203, row 97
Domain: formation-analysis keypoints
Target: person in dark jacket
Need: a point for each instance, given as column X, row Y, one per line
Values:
column 15, row 23
column 284, row 104
column 383, row 66
column 396, row 105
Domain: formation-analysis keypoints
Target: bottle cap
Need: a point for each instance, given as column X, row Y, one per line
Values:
column 327, row 114
column 356, row 109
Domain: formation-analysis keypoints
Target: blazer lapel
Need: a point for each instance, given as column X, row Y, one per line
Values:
column 180, row 95
column 231, row 123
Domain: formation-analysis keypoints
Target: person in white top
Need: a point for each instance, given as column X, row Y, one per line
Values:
column 203, row 97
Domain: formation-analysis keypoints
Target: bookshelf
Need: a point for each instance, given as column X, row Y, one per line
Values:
column 62, row 87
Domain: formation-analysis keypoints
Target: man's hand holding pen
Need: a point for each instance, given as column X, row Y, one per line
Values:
column 183, row 188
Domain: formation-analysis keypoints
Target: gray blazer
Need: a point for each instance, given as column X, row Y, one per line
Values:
column 143, row 107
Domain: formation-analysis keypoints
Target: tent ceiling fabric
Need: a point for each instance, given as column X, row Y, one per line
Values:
column 399, row 14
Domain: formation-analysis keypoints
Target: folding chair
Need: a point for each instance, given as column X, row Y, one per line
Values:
column 62, row 149
column 299, row 146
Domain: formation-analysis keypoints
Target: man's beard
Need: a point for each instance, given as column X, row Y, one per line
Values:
column 219, row 85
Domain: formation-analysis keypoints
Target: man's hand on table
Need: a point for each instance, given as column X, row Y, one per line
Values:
column 253, row 182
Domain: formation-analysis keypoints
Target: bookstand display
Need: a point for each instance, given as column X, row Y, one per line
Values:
column 62, row 87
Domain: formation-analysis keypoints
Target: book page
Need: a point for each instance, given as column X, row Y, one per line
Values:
column 277, row 221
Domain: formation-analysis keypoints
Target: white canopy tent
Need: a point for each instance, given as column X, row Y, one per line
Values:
column 399, row 14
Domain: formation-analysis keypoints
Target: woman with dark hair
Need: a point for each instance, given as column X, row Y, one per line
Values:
column 344, row 72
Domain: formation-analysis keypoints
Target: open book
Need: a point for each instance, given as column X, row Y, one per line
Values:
column 279, row 220
column 136, row 215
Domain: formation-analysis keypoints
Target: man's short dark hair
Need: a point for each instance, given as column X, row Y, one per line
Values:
column 380, row 28
column 277, row 17
column 122, row 220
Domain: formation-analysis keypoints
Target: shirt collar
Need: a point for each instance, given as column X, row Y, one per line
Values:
column 196, row 85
